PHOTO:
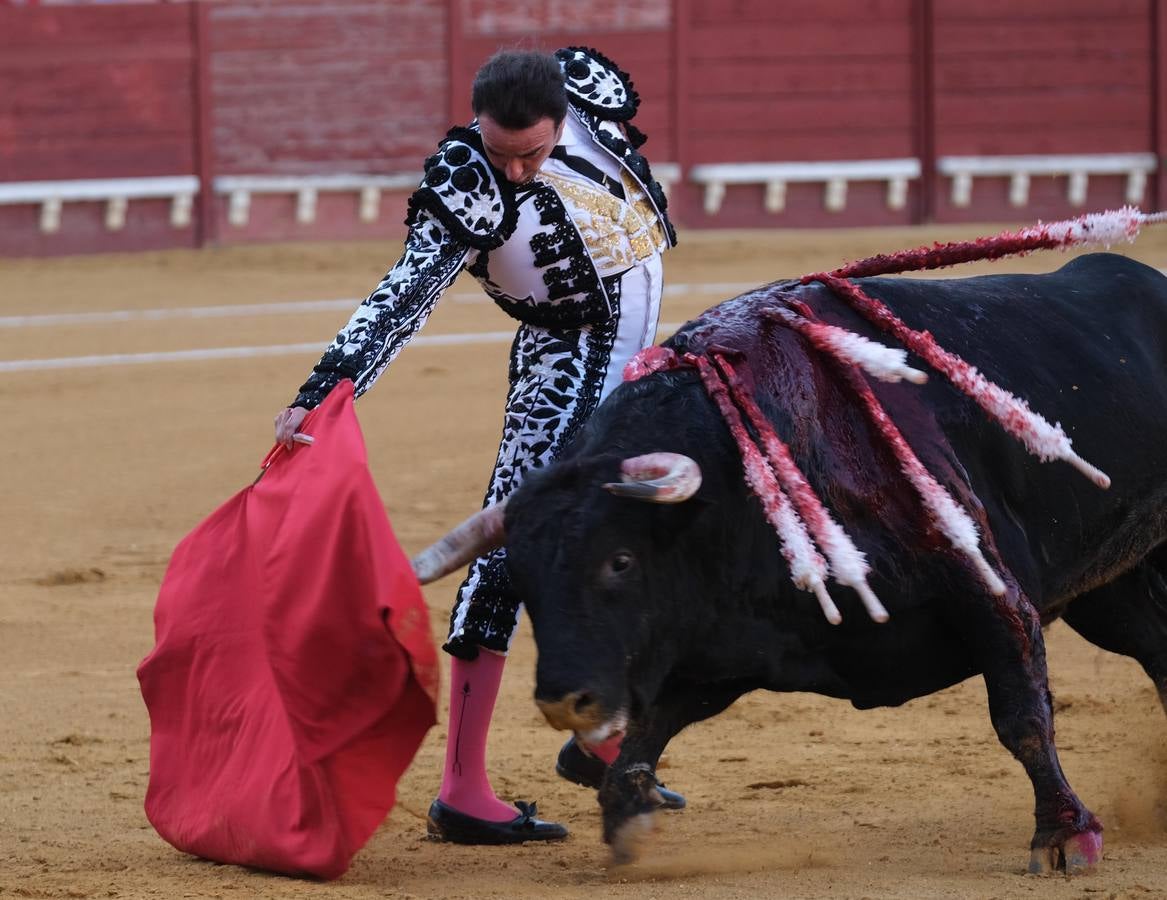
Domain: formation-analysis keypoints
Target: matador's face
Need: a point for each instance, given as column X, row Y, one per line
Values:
column 519, row 153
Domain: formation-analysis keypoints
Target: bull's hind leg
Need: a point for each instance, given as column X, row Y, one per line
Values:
column 1011, row 651
column 1129, row 616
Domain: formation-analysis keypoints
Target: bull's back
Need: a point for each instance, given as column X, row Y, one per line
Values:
column 1094, row 330
column 1085, row 347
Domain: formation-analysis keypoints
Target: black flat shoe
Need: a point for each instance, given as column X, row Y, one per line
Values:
column 587, row 770
column 447, row 824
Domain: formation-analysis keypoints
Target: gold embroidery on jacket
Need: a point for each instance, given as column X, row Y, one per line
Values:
column 639, row 201
column 618, row 233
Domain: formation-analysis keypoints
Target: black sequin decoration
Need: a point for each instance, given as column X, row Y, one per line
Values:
column 464, row 179
column 458, row 155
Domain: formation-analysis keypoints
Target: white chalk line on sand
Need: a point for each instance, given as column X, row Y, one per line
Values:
column 723, row 290
column 213, row 353
column 295, row 307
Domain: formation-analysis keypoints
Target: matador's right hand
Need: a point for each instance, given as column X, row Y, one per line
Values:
column 286, row 424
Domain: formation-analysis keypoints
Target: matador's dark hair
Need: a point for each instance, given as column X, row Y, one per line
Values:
column 517, row 88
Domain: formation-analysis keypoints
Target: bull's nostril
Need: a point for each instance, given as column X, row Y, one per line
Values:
column 577, row 711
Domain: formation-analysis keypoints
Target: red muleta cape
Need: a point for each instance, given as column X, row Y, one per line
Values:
column 294, row 674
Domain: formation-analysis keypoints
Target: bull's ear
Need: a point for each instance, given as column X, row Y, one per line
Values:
column 671, row 523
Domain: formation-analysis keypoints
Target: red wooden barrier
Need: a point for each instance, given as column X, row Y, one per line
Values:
column 94, row 92
column 1016, row 78
column 296, row 87
column 798, row 81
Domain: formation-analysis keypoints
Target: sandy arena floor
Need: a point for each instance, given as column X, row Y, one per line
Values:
column 106, row 468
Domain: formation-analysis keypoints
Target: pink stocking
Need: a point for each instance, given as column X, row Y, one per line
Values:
column 473, row 690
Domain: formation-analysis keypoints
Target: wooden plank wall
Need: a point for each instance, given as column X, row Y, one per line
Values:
column 634, row 35
column 1038, row 78
column 796, row 81
column 304, row 87
column 298, row 86
column 94, row 92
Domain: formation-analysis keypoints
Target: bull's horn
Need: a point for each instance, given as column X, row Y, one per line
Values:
column 479, row 534
column 658, row 478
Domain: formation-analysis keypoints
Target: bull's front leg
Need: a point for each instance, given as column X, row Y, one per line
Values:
column 629, row 797
column 1011, row 651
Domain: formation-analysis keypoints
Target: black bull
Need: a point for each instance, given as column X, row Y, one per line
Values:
column 652, row 616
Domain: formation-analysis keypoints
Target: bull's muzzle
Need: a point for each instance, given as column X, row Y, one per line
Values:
column 578, row 711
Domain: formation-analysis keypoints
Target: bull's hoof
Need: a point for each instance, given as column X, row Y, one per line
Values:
column 628, row 799
column 581, row 767
column 1076, row 855
column 628, row 839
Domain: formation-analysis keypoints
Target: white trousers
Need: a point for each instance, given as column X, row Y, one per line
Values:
column 557, row 379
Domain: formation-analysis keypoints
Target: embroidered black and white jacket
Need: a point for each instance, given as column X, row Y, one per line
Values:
column 466, row 214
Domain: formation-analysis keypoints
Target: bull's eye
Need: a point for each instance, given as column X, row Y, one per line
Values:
column 616, row 569
column 621, row 561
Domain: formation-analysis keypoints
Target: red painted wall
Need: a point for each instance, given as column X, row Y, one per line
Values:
column 796, row 81
column 1035, row 78
column 302, row 87
column 350, row 86
column 94, row 92
column 634, row 34
column 298, row 86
